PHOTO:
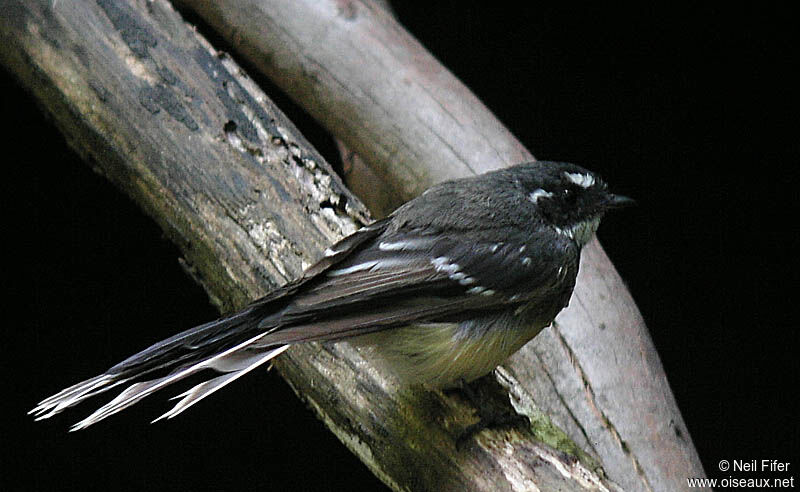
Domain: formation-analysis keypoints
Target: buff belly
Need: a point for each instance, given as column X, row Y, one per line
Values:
column 441, row 355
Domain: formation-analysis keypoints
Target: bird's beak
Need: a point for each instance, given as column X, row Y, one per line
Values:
column 619, row 201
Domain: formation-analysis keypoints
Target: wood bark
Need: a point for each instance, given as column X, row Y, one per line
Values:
column 186, row 134
column 596, row 372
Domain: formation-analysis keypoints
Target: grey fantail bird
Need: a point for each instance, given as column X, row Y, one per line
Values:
column 444, row 290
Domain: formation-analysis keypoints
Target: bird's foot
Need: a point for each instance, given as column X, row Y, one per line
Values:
column 490, row 414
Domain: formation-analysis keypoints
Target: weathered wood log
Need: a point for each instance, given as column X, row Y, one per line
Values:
column 179, row 128
column 596, row 372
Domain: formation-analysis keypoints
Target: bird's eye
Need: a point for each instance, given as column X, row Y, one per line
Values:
column 569, row 195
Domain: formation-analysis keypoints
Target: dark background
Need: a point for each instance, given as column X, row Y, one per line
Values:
column 693, row 113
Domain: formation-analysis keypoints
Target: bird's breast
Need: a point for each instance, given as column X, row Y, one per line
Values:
column 441, row 355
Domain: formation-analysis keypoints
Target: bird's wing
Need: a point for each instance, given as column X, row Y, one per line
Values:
column 411, row 276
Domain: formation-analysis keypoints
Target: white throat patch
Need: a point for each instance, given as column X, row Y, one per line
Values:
column 581, row 232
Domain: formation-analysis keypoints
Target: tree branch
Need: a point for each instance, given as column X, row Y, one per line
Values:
column 595, row 373
column 180, row 129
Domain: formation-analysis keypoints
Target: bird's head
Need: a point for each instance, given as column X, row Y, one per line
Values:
column 569, row 198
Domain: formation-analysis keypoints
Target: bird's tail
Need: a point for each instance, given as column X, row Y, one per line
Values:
column 229, row 346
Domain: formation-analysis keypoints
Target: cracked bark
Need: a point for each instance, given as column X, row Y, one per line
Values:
column 181, row 129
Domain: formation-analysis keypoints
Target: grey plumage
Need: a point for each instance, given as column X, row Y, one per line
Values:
column 444, row 289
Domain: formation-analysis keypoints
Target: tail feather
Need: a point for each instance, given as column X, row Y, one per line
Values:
column 233, row 345
column 235, row 361
column 131, row 395
column 74, row 395
column 206, row 388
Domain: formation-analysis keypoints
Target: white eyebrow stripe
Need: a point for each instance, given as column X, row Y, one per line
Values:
column 537, row 194
column 580, row 179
